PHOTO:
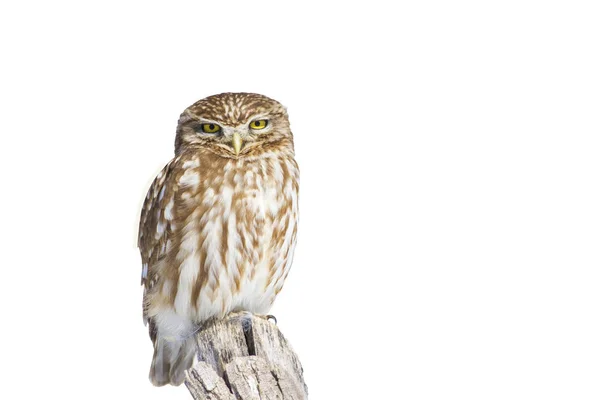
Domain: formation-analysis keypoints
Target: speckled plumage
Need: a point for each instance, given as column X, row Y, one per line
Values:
column 218, row 229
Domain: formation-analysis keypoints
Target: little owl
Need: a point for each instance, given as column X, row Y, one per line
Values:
column 218, row 226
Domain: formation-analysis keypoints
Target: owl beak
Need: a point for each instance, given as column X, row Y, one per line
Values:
column 237, row 143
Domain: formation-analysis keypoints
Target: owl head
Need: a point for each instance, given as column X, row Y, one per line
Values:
column 234, row 125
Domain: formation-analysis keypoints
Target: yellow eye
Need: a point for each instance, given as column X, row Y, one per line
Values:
column 210, row 128
column 259, row 124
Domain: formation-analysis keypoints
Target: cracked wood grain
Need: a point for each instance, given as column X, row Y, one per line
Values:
column 245, row 357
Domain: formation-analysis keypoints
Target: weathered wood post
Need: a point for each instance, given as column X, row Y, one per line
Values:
column 245, row 357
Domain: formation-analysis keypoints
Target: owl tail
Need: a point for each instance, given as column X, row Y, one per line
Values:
column 170, row 361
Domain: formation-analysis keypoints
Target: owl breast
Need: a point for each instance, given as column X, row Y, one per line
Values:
column 234, row 234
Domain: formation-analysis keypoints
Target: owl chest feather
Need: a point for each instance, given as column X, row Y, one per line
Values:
column 235, row 235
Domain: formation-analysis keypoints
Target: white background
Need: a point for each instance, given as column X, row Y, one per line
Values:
column 450, row 201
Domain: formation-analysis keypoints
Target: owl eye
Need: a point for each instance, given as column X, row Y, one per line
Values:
column 259, row 124
column 210, row 128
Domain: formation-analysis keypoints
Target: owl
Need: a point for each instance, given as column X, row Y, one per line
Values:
column 218, row 227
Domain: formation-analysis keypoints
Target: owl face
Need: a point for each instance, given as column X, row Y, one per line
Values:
column 234, row 125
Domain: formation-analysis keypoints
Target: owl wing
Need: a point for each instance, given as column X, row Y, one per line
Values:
column 156, row 225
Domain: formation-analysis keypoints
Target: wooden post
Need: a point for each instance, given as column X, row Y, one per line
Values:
column 245, row 357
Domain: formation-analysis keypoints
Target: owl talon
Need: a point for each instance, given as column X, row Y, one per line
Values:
column 271, row 317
